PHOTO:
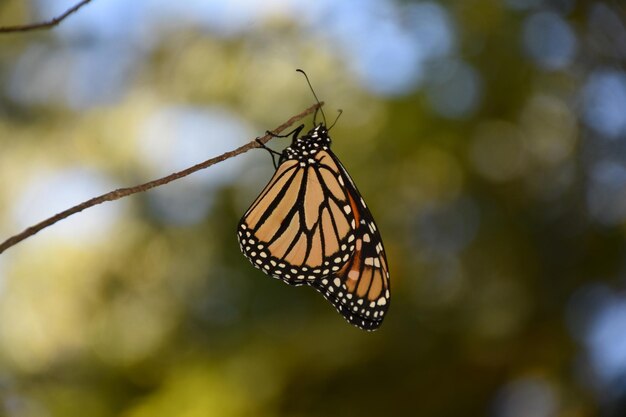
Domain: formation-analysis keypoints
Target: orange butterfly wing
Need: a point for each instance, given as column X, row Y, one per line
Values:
column 310, row 226
column 360, row 290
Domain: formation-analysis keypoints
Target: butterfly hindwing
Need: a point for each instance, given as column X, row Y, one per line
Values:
column 360, row 290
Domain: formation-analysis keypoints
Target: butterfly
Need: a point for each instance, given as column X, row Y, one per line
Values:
column 310, row 226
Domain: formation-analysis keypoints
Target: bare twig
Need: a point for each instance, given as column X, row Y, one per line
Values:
column 44, row 25
column 123, row 192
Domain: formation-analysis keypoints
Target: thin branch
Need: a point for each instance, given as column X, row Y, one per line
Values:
column 44, row 25
column 123, row 192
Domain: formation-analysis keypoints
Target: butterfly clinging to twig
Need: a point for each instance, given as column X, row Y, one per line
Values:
column 310, row 226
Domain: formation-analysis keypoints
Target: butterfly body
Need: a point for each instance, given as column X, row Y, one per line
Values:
column 310, row 226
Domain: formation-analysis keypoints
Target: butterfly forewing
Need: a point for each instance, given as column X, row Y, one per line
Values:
column 311, row 226
column 296, row 230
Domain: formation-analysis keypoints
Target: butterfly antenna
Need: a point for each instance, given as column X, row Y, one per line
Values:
column 314, row 95
column 338, row 116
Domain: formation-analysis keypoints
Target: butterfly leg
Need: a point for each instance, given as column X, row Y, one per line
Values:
column 272, row 152
column 295, row 132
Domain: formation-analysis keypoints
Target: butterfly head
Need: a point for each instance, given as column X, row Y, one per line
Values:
column 316, row 138
column 304, row 147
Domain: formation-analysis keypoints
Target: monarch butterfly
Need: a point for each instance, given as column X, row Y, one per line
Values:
column 310, row 226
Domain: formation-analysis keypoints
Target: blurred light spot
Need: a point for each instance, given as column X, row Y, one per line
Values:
column 604, row 101
column 376, row 47
column 606, row 192
column 497, row 151
column 597, row 317
column 607, row 340
column 39, row 76
column 386, row 60
column 550, row 129
column 549, row 40
column 223, row 18
column 391, row 58
column 175, row 138
column 527, row 397
column 79, row 77
column 100, row 76
column 385, row 43
column 455, row 89
column 47, row 193
column 432, row 29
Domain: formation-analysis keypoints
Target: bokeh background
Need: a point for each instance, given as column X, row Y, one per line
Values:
column 487, row 136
